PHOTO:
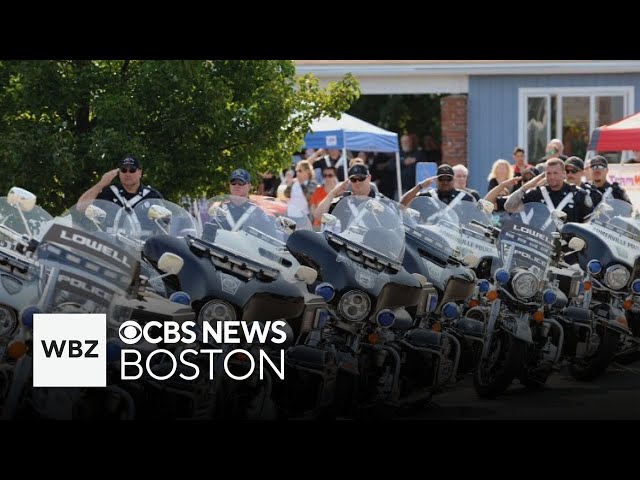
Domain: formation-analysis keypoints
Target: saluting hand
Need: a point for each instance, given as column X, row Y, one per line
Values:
column 108, row 177
column 339, row 188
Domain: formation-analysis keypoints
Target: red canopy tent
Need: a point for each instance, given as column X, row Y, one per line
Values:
column 622, row 135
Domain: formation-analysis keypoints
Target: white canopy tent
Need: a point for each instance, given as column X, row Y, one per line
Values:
column 354, row 134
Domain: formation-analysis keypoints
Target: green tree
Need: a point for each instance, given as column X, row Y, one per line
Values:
column 64, row 123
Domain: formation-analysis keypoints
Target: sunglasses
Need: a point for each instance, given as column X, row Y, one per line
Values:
column 328, row 175
column 598, row 167
column 238, row 182
column 571, row 170
column 130, row 170
column 357, row 179
column 445, row 178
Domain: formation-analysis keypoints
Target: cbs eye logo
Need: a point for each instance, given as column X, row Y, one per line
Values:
column 130, row 332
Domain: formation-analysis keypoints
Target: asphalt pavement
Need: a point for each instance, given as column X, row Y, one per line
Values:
column 613, row 396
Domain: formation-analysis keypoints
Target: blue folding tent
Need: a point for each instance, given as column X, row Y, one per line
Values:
column 354, row 134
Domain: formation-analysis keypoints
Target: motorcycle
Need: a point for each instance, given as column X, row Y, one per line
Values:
column 84, row 270
column 242, row 271
column 443, row 248
column 521, row 339
column 386, row 360
column 608, row 320
column 22, row 225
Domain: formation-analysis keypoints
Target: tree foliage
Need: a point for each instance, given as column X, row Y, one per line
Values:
column 65, row 123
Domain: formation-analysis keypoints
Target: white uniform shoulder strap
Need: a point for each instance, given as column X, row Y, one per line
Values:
column 547, row 199
column 235, row 226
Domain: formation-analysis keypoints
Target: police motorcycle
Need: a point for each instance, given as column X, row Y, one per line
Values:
column 130, row 228
column 240, row 270
column 608, row 320
column 445, row 246
column 85, row 269
column 521, row 339
column 386, row 360
column 22, row 225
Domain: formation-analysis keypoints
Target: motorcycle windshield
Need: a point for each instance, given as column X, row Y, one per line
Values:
column 245, row 230
column 376, row 224
column 526, row 242
column 433, row 222
column 102, row 217
column 88, row 269
column 161, row 217
column 33, row 222
column 472, row 237
column 618, row 222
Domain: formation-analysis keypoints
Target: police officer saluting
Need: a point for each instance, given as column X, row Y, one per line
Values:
column 445, row 191
column 361, row 189
column 128, row 193
column 599, row 170
column 557, row 194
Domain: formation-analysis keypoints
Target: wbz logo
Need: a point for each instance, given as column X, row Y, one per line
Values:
column 69, row 350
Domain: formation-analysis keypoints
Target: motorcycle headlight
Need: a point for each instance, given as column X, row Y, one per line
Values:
column 354, row 305
column 8, row 320
column 525, row 284
column 616, row 277
column 216, row 311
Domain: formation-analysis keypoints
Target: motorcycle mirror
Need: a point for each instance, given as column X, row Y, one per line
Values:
column 421, row 278
column 21, row 198
column 471, row 260
column 213, row 210
column 170, row 263
column 306, row 274
column 485, row 205
column 413, row 213
column 158, row 212
column 605, row 207
column 286, row 224
column 329, row 219
column 374, row 206
column 559, row 215
column 576, row 244
column 95, row 214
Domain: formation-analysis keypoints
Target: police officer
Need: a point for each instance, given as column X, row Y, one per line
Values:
column 237, row 212
column 574, row 168
column 445, row 191
column 361, row 191
column 557, row 194
column 128, row 193
column 360, row 182
column 599, row 170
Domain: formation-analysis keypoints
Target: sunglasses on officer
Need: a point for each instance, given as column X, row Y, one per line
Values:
column 238, row 182
column 599, row 166
column 129, row 170
column 358, row 178
column 445, row 178
column 571, row 170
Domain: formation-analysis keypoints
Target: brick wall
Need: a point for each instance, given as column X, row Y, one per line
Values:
column 454, row 129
